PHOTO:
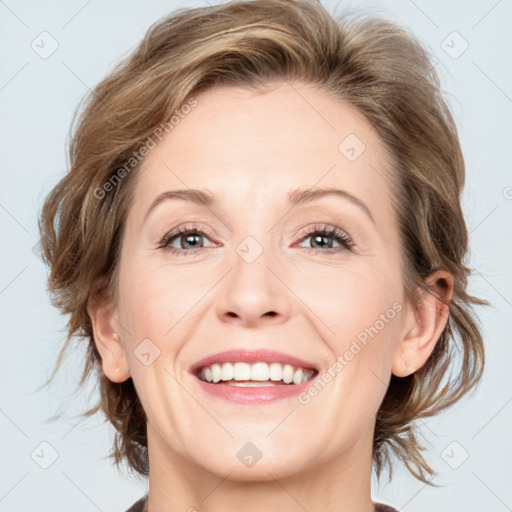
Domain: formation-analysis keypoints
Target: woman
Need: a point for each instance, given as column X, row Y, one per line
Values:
column 261, row 240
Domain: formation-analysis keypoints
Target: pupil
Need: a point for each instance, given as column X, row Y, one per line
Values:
column 189, row 237
column 321, row 237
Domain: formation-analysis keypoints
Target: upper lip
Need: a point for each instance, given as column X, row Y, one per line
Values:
column 251, row 356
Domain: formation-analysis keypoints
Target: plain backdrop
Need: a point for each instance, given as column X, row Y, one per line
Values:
column 52, row 53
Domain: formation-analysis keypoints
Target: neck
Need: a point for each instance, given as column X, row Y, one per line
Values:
column 340, row 484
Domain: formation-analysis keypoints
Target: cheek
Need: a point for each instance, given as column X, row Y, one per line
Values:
column 347, row 302
column 159, row 303
column 147, row 302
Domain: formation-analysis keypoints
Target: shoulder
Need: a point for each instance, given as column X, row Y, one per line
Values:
column 381, row 507
column 139, row 505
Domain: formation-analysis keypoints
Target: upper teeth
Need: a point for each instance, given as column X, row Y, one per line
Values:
column 258, row 371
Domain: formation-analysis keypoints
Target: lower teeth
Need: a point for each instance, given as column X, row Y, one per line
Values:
column 251, row 384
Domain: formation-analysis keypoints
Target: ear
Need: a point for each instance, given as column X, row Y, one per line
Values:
column 106, row 330
column 424, row 326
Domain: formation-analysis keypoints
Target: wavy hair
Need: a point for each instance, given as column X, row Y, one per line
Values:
column 372, row 64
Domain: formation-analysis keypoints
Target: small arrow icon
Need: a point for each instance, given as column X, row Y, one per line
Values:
column 147, row 352
column 249, row 455
column 44, row 455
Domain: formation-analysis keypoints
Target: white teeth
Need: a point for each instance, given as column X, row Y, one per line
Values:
column 250, row 384
column 242, row 371
column 216, row 372
column 287, row 373
column 276, row 371
column 227, row 371
column 297, row 376
column 260, row 371
column 208, row 375
column 257, row 374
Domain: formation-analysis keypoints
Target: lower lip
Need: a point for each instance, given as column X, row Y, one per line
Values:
column 253, row 395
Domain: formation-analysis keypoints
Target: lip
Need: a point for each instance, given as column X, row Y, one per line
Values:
column 256, row 395
column 252, row 395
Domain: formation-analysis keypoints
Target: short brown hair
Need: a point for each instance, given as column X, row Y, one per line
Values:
column 368, row 62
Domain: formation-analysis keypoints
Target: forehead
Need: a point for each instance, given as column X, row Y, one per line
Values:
column 251, row 149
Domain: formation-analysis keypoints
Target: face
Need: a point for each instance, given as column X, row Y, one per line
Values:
column 310, row 281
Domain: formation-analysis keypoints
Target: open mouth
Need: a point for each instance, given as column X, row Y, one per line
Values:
column 259, row 374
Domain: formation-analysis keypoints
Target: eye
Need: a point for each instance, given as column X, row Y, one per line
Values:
column 188, row 237
column 321, row 239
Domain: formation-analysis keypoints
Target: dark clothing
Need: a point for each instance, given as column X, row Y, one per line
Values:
column 139, row 506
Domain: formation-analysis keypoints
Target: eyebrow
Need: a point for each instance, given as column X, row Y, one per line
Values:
column 295, row 198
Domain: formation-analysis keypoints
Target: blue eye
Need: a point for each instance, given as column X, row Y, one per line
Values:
column 322, row 233
column 191, row 236
column 185, row 235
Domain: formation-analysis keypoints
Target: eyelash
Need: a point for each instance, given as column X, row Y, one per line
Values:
column 323, row 230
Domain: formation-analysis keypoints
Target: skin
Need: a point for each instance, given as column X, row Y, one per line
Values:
column 250, row 150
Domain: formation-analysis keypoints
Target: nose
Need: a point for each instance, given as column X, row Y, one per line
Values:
column 254, row 294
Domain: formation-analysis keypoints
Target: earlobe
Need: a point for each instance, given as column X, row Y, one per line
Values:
column 428, row 323
column 105, row 328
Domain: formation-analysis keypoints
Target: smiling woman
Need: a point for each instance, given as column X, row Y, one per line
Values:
column 272, row 294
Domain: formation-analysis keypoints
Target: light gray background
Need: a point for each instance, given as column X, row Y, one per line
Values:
column 37, row 99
